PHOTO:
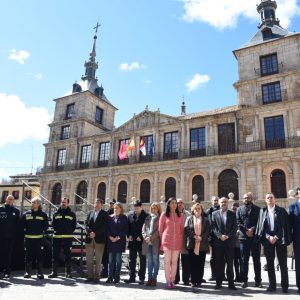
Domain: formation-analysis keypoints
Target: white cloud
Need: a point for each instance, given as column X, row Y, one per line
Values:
column 38, row 76
column 20, row 123
column 196, row 82
column 19, row 56
column 225, row 13
column 131, row 66
column 147, row 81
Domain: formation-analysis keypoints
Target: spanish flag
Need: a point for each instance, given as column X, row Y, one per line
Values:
column 131, row 145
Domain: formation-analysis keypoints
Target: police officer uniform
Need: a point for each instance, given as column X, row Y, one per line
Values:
column 35, row 224
column 9, row 220
column 64, row 224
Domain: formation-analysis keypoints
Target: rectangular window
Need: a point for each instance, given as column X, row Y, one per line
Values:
column 65, row 132
column 28, row 194
column 171, row 145
column 268, row 64
column 226, row 138
column 126, row 160
column 274, row 132
column 61, row 158
column 104, row 154
column 4, row 195
column 99, row 115
column 70, row 111
column 149, row 146
column 197, row 142
column 271, row 92
column 16, row 194
column 85, row 156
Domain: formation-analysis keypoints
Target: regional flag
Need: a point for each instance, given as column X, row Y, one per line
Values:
column 131, row 145
column 123, row 151
column 142, row 146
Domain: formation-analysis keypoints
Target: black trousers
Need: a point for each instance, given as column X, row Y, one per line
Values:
column 297, row 262
column 33, row 250
column 281, row 251
column 247, row 247
column 224, row 255
column 213, row 261
column 58, row 245
column 6, row 251
column 133, row 253
column 185, row 268
column 197, row 263
column 237, row 263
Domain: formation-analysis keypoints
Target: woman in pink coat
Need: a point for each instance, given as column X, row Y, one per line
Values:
column 171, row 230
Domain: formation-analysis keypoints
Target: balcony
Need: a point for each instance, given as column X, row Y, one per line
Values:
column 291, row 142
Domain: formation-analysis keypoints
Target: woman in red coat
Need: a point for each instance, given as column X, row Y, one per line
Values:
column 171, row 230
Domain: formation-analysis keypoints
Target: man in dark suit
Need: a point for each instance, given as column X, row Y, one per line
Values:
column 273, row 230
column 294, row 212
column 224, row 237
column 247, row 217
column 136, row 220
column 95, row 239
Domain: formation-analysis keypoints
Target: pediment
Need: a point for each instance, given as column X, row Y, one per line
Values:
column 147, row 119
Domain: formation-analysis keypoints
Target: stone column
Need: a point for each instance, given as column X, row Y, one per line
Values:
column 182, row 191
column 211, row 190
column 296, row 182
column 242, row 187
column 259, row 182
column 154, row 194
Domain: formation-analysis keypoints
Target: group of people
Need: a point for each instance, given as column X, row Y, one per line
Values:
column 230, row 235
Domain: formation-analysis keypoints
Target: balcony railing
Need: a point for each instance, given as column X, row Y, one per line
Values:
column 280, row 69
column 284, row 97
column 290, row 142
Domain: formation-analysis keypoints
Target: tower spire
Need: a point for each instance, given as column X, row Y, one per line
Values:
column 91, row 66
column 267, row 9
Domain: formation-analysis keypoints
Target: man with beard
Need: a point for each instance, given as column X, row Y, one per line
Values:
column 247, row 217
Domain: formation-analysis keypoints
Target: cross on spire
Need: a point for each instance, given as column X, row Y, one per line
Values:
column 96, row 27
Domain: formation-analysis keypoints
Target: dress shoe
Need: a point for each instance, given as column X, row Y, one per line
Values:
column 109, row 279
column 117, row 280
column 130, row 280
column 203, row 280
column 141, row 282
column 40, row 276
column 212, row 278
column 89, row 280
column 96, row 280
column 285, row 290
column 245, row 285
column 154, row 282
column 186, row 283
column 299, row 291
column 149, row 282
column 271, row 289
column 218, row 286
column 258, row 284
column 194, row 284
column 232, row 287
column 6, row 275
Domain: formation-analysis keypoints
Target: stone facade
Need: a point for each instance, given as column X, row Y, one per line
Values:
column 253, row 146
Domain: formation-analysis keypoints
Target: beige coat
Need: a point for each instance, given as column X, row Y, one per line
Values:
column 155, row 239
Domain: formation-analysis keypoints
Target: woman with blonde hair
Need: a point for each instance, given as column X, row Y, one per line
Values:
column 197, row 231
column 117, row 227
column 151, row 242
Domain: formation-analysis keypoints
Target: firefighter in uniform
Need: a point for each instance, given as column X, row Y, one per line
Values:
column 64, row 224
column 35, row 223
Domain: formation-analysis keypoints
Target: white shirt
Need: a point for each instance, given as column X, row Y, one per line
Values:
column 224, row 216
column 271, row 215
column 96, row 214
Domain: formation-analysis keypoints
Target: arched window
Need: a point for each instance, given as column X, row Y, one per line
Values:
column 81, row 192
column 170, row 188
column 101, row 191
column 198, row 186
column 228, row 183
column 56, row 194
column 278, row 184
column 145, row 191
column 122, row 192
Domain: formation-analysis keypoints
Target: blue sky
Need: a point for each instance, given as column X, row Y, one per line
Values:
column 150, row 52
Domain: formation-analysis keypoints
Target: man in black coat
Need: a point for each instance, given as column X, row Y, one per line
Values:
column 273, row 230
column 224, row 237
column 294, row 213
column 9, row 222
column 247, row 218
column 95, row 239
column 136, row 220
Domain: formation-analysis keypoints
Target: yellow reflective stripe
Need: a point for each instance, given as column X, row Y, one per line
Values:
column 58, row 217
column 40, row 218
column 69, row 217
column 28, row 217
column 61, row 236
column 33, row 236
